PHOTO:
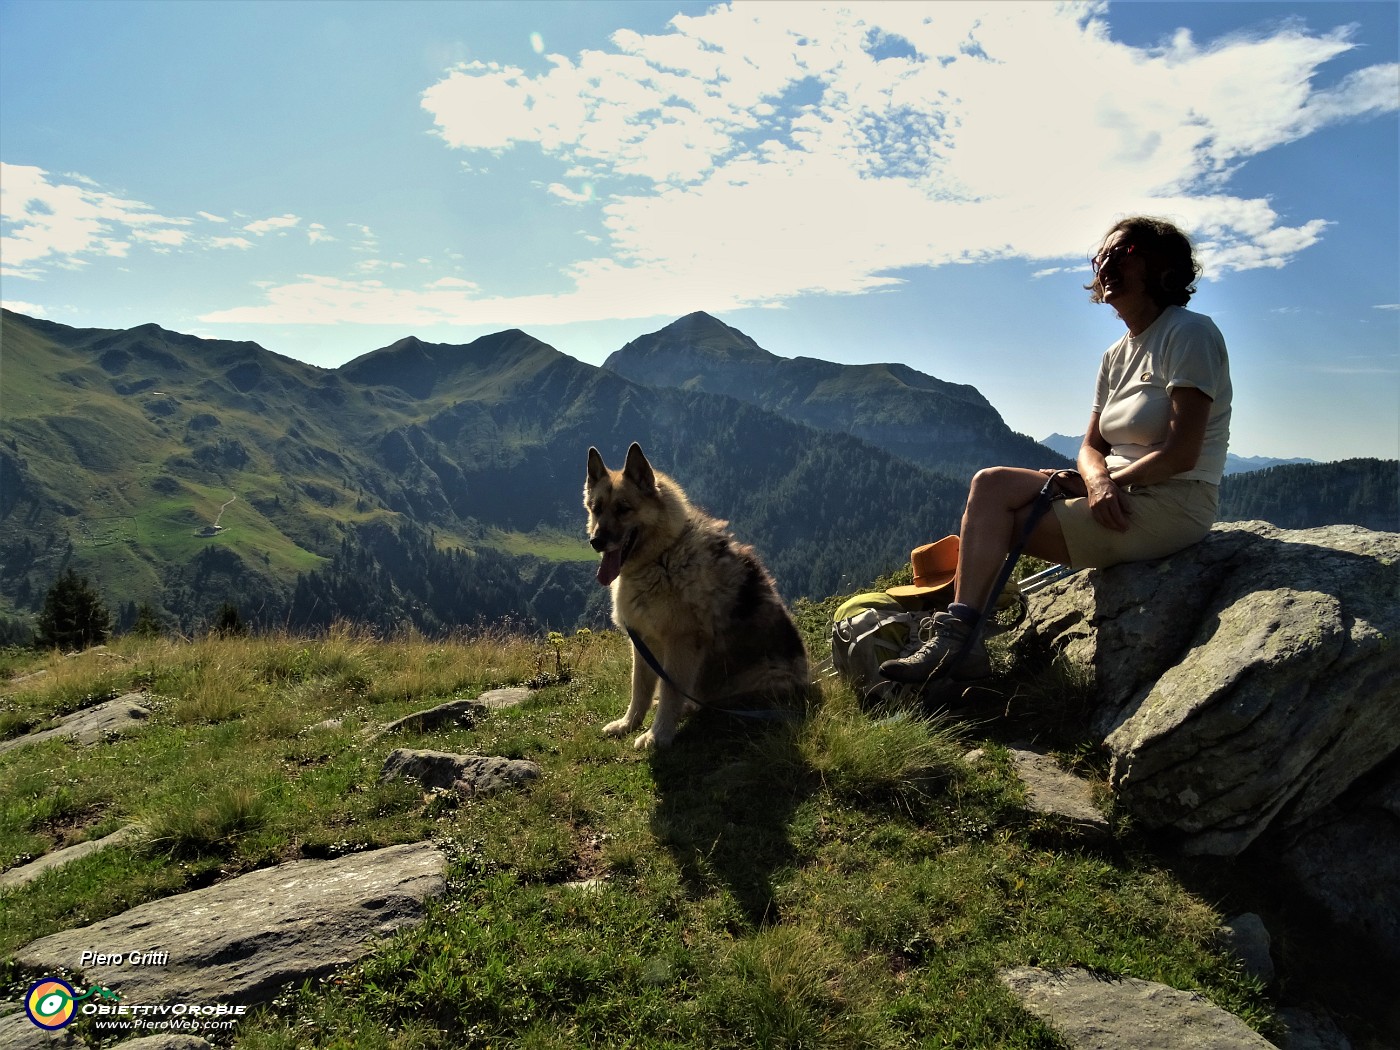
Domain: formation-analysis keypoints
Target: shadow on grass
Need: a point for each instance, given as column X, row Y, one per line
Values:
column 727, row 790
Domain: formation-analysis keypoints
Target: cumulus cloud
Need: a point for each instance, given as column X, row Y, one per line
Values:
column 763, row 151
column 768, row 150
column 265, row 226
column 68, row 219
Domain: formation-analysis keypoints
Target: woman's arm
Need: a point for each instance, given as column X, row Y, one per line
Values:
column 1186, row 434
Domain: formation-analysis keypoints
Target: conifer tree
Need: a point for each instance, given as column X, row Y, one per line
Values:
column 74, row 615
column 229, row 622
column 148, row 623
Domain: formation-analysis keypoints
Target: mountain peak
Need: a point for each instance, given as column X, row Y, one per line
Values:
column 422, row 369
column 688, row 348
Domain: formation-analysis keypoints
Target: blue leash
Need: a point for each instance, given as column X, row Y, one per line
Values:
column 773, row 715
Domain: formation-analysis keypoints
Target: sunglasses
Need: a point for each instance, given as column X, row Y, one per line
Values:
column 1114, row 255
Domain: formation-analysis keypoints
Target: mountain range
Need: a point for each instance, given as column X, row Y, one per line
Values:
column 433, row 485
column 424, row 484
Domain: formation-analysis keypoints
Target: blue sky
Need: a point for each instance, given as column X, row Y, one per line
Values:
column 865, row 182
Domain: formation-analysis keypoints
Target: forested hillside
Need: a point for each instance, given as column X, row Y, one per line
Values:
column 1297, row 496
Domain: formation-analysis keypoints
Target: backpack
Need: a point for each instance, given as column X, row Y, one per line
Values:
column 866, row 631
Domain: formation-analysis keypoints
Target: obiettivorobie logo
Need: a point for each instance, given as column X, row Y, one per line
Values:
column 53, row 1004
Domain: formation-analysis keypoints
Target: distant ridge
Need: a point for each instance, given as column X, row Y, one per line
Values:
column 946, row 427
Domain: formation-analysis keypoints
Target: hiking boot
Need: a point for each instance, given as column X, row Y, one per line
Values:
column 938, row 657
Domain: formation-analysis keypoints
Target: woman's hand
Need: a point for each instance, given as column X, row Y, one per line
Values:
column 1108, row 503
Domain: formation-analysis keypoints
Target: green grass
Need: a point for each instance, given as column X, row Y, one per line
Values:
column 545, row 543
column 845, row 882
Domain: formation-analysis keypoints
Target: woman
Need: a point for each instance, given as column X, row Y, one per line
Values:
column 1150, row 464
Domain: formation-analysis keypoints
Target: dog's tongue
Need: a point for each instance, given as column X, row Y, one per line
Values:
column 609, row 567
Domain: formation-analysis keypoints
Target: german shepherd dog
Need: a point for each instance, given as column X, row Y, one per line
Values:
column 702, row 602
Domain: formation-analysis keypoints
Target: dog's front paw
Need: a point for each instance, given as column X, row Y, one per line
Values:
column 650, row 739
column 619, row 728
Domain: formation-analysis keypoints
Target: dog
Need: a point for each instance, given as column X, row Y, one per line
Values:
column 702, row 603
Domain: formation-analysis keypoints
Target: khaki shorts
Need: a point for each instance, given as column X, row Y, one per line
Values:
column 1166, row 517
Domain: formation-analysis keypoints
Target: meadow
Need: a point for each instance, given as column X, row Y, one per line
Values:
column 847, row 881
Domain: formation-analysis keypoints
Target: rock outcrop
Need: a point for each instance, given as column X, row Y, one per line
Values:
column 468, row 775
column 1243, row 684
column 90, row 724
column 1248, row 692
column 461, row 713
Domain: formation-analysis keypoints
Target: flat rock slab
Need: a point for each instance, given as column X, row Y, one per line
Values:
column 243, row 940
column 31, row 871
column 456, row 712
column 470, row 775
column 91, row 724
column 1095, row 1013
column 18, row 1032
column 1054, row 791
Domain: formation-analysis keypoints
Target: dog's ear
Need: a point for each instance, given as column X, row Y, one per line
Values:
column 638, row 470
column 596, row 468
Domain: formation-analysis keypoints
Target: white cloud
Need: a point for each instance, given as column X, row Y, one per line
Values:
column 316, row 233
column 21, row 307
column 765, row 150
column 51, row 221
column 263, row 226
column 230, row 242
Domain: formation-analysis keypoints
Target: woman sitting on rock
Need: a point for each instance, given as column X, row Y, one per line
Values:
column 1150, row 464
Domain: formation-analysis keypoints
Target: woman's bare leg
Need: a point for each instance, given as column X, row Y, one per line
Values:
column 998, row 506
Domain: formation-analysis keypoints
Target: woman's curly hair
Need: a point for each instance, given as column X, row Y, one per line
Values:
column 1172, row 269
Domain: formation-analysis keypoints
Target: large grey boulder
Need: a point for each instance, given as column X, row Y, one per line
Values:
column 1347, row 860
column 241, row 941
column 1243, row 684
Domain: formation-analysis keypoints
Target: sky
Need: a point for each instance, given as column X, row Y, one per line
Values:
column 905, row 181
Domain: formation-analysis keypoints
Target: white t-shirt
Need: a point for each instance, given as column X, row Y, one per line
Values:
column 1137, row 376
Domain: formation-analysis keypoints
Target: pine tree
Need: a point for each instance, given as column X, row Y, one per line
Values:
column 147, row 623
column 73, row 616
column 229, row 622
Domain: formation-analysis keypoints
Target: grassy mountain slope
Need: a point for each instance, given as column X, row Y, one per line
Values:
column 944, row 427
column 120, row 449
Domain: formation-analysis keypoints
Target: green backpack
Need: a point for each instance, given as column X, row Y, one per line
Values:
column 867, row 630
